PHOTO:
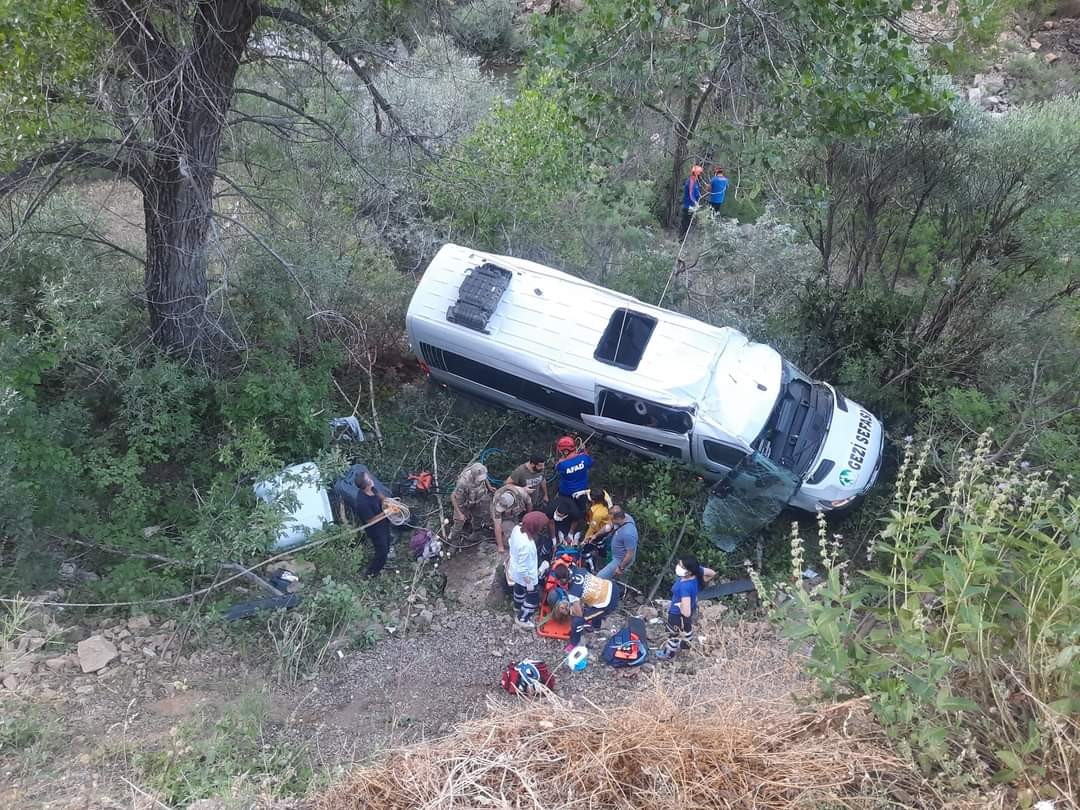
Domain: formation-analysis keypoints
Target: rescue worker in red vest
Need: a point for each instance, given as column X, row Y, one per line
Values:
column 583, row 598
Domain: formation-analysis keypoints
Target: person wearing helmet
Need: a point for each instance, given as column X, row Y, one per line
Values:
column 573, row 470
column 691, row 198
column 471, row 499
column 508, row 506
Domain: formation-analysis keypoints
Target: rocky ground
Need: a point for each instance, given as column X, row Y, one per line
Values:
column 103, row 691
column 1055, row 44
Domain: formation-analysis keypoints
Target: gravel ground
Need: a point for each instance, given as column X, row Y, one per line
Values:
column 421, row 685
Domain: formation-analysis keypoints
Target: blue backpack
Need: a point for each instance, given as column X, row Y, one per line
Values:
column 629, row 647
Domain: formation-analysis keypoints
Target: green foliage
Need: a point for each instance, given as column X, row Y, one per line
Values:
column 231, row 756
column 284, row 401
column 1035, row 81
column 28, row 736
column 662, row 499
column 486, row 28
column 137, row 580
column 506, row 181
column 964, row 632
column 952, row 264
column 47, row 48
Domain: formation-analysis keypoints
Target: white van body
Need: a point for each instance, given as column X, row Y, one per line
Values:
column 312, row 505
column 648, row 379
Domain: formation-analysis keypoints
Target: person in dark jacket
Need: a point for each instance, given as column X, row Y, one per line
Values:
column 717, row 189
column 691, row 198
column 369, row 504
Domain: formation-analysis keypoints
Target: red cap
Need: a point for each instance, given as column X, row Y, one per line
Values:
column 566, row 443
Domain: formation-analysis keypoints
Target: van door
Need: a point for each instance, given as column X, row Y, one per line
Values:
column 717, row 456
column 640, row 424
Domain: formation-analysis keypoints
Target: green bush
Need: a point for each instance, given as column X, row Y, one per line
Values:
column 966, row 632
column 1036, row 81
column 486, row 28
column 230, row 757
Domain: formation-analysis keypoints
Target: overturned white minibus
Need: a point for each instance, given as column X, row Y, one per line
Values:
column 651, row 380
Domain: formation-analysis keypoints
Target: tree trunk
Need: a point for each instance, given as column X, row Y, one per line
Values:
column 188, row 87
column 177, row 211
column 679, row 152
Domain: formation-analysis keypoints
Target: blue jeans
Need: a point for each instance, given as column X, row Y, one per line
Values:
column 608, row 571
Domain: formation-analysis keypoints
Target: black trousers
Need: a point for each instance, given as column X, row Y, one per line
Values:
column 687, row 217
column 380, row 545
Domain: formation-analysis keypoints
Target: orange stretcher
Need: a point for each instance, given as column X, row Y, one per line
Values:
column 548, row 626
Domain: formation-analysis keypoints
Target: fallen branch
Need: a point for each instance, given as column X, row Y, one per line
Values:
column 667, row 565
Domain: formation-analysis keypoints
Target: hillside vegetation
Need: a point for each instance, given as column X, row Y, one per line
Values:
column 214, row 215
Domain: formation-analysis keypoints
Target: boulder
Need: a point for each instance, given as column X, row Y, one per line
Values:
column 96, row 653
column 74, row 634
column 424, row 619
column 1035, row 44
column 990, row 83
column 136, row 623
column 10, row 682
column 1051, row 58
column 59, row 662
column 974, row 95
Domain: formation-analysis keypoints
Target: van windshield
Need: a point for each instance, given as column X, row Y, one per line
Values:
column 798, row 423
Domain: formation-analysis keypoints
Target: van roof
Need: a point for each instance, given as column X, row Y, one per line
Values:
column 560, row 319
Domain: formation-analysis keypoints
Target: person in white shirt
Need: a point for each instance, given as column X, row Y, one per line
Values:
column 522, row 567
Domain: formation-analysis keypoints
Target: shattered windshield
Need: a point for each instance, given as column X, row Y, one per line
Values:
column 746, row 500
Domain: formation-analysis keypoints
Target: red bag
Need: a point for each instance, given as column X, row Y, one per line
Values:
column 526, row 677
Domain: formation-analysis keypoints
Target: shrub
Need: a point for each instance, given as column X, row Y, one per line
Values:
column 965, row 634
column 1037, row 81
column 229, row 756
column 486, row 28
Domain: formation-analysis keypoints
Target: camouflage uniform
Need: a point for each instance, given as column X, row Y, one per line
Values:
column 508, row 506
column 471, row 499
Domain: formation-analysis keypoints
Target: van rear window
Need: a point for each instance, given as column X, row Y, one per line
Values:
column 625, row 339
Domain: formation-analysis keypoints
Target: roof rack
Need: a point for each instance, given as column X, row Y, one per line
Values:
column 478, row 296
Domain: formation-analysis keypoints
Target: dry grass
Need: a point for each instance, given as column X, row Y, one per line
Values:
column 669, row 748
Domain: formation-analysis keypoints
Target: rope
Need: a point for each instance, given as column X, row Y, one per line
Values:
column 191, row 595
column 396, row 512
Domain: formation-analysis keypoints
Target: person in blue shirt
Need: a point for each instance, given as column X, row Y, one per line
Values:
column 624, row 543
column 691, row 198
column 690, row 577
column 573, row 469
column 717, row 189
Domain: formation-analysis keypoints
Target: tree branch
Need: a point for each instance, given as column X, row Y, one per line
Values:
column 149, row 53
column 348, row 55
column 124, row 160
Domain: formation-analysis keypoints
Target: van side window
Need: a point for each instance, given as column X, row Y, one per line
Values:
column 624, row 341
column 506, row 383
column 636, row 411
column 723, row 454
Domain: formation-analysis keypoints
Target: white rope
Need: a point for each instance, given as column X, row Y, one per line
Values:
column 396, row 511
